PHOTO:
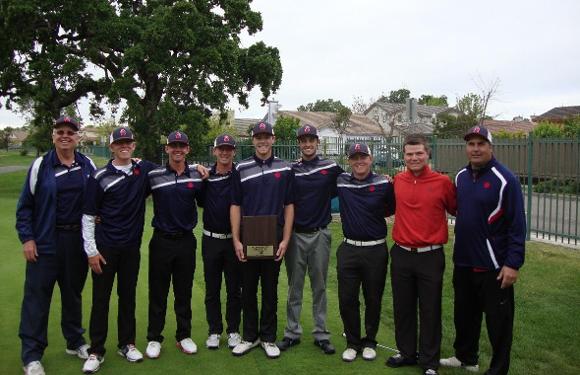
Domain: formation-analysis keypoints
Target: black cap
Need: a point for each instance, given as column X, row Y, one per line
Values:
column 358, row 148
column 121, row 133
column 262, row 127
column 177, row 137
column 306, row 130
column 68, row 121
column 481, row 131
column 224, row 140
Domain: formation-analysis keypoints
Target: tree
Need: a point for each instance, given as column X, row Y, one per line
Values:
column 5, row 135
column 359, row 105
column 472, row 106
column 437, row 101
column 221, row 123
column 285, row 128
column 172, row 61
column 397, row 96
column 341, row 120
column 328, row 105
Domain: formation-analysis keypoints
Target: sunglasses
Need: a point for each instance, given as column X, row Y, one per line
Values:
column 70, row 133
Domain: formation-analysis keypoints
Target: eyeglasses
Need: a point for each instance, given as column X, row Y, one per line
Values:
column 70, row 133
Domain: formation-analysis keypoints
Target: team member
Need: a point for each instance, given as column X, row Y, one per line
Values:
column 309, row 249
column 217, row 247
column 116, row 193
column 48, row 222
column 261, row 185
column 417, row 260
column 489, row 250
column 175, row 188
column 362, row 258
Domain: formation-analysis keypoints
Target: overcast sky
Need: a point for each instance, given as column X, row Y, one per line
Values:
column 340, row 49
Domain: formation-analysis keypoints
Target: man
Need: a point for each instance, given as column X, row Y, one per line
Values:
column 48, row 222
column 175, row 188
column 217, row 248
column 262, row 185
column 362, row 258
column 489, row 250
column 417, row 260
column 116, row 193
column 309, row 250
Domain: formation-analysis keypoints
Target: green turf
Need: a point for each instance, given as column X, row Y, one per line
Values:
column 546, row 327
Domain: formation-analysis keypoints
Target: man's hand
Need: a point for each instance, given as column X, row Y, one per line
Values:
column 508, row 276
column 203, row 171
column 282, row 247
column 239, row 248
column 95, row 263
column 29, row 251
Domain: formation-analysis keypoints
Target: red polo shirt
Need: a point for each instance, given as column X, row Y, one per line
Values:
column 421, row 205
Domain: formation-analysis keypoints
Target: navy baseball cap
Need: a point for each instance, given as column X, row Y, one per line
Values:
column 358, row 148
column 481, row 131
column 67, row 121
column 177, row 137
column 120, row 134
column 306, row 130
column 262, row 127
column 224, row 140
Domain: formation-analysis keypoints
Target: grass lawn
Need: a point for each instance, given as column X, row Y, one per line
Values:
column 547, row 326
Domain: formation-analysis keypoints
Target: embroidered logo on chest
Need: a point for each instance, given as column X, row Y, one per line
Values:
column 277, row 175
column 324, row 172
column 486, row 185
column 372, row 188
column 136, row 171
column 190, row 185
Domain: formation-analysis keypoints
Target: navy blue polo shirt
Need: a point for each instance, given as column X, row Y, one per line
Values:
column 217, row 198
column 314, row 187
column 119, row 199
column 174, row 208
column 263, row 187
column 363, row 204
column 70, row 185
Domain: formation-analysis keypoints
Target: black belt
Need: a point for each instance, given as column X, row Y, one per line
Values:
column 69, row 227
column 299, row 229
column 172, row 235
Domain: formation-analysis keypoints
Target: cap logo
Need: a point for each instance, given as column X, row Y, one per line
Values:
column 66, row 119
column 226, row 138
column 123, row 132
column 307, row 129
column 177, row 135
column 262, row 126
column 357, row 147
column 477, row 129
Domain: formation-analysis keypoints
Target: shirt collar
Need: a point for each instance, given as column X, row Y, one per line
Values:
column 262, row 162
column 169, row 169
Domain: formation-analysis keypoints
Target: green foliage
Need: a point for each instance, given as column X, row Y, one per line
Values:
column 341, row 120
column 571, row 127
column 438, row 101
column 285, row 128
column 328, row 105
column 397, row 96
column 5, row 135
column 177, row 57
column 218, row 125
column 548, row 130
column 502, row 134
column 472, row 106
column 556, row 186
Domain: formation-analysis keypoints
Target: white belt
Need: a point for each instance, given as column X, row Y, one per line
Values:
column 421, row 249
column 220, row 236
column 364, row 243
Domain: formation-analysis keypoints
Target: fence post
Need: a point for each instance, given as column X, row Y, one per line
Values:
column 530, row 187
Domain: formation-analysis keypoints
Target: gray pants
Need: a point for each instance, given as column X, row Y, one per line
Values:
column 307, row 251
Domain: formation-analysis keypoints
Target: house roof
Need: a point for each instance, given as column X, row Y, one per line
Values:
column 524, row 126
column 243, row 124
column 358, row 124
column 558, row 114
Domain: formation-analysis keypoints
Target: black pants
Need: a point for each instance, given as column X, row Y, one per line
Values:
column 124, row 263
column 69, row 268
column 418, row 277
column 356, row 266
column 477, row 293
column 266, row 273
column 170, row 258
column 219, row 257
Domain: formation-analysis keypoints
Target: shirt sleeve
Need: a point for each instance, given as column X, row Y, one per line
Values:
column 390, row 200
column 236, row 188
column 289, row 196
column 450, row 197
column 25, row 211
column 94, row 196
column 88, row 229
column 516, row 220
